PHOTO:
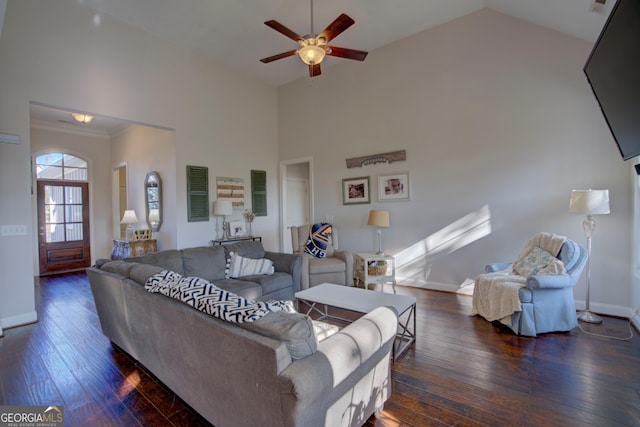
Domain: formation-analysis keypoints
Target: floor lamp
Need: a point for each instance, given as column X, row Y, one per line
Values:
column 589, row 203
column 379, row 219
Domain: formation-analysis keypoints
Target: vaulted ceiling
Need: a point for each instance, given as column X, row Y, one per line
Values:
column 233, row 31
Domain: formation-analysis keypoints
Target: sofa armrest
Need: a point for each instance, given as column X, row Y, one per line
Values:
column 347, row 257
column 550, row 281
column 358, row 347
column 496, row 266
column 287, row 263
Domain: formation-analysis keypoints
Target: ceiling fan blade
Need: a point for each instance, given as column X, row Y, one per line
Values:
column 334, row 29
column 284, row 30
column 341, row 52
column 314, row 70
column 278, row 56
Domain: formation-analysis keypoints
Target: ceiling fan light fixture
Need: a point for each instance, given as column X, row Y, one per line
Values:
column 82, row 118
column 311, row 54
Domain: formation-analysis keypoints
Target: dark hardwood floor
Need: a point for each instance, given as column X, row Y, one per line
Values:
column 462, row 371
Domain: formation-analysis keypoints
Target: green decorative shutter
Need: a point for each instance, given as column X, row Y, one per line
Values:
column 197, row 193
column 259, row 192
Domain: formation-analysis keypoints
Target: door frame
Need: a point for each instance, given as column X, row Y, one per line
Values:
column 284, row 233
column 86, row 227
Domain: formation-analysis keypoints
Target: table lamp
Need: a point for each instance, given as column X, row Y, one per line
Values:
column 223, row 207
column 129, row 218
column 589, row 203
column 379, row 219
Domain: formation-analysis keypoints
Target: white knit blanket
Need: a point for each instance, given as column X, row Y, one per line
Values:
column 495, row 295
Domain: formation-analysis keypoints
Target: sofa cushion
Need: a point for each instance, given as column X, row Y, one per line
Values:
column 248, row 249
column 170, row 259
column 245, row 288
column 207, row 262
column 119, row 267
column 294, row 329
column 272, row 282
column 141, row 272
column 326, row 265
column 240, row 266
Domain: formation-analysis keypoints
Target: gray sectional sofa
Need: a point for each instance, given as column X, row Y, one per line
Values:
column 271, row 372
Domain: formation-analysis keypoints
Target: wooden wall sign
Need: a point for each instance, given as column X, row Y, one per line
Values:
column 394, row 156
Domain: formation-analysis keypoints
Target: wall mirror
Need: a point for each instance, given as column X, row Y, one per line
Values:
column 153, row 200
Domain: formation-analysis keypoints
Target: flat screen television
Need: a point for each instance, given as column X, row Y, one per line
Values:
column 613, row 71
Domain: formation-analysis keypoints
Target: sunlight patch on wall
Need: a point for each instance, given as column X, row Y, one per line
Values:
column 413, row 264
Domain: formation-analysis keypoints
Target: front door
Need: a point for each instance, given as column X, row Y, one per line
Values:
column 63, row 226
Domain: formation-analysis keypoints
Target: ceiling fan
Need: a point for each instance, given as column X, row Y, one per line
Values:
column 314, row 47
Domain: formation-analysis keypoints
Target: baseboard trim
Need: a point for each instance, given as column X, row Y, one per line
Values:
column 15, row 321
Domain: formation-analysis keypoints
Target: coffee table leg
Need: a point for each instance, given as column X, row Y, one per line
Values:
column 406, row 335
column 313, row 306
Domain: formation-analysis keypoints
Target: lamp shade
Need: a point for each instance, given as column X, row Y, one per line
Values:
column 129, row 217
column 378, row 218
column 589, row 202
column 222, row 207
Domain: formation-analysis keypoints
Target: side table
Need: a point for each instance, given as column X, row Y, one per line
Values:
column 127, row 248
column 375, row 268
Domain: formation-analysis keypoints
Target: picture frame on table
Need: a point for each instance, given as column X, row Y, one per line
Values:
column 356, row 191
column 394, row 187
column 237, row 229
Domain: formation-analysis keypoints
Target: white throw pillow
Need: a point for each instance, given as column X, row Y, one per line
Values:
column 240, row 266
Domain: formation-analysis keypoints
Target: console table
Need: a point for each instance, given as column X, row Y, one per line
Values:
column 375, row 268
column 127, row 248
column 234, row 240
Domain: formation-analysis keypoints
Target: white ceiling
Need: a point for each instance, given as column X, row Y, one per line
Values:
column 232, row 32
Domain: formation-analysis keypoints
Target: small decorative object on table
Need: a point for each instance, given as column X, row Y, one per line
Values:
column 377, row 268
column 237, row 229
column 143, row 234
column 249, row 216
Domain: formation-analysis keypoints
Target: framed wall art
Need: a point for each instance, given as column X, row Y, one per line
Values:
column 393, row 187
column 237, row 229
column 355, row 191
column 231, row 189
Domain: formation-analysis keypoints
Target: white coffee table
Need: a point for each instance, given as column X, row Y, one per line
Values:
column 364, row 301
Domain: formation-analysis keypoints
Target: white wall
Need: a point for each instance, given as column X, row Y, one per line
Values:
column 499, row 126
column 51, row 53
column 146, row 149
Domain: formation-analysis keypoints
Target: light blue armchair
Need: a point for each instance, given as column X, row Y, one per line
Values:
column 547, row 300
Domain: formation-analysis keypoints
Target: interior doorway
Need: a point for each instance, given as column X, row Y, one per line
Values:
column 297, row 197
column 119, row 200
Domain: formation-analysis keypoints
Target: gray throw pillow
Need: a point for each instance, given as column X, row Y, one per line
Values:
column 294, row 329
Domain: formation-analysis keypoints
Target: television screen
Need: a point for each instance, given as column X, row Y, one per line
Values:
column 613, row 71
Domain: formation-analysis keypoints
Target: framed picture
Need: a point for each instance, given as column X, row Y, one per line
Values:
column 393, row 187
column 237, row 229
column 355, row 191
